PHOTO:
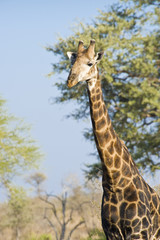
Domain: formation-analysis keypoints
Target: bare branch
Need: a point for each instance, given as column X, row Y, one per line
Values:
column 64, row 221
column 46, row 200
column 55, row 196
column 73, row 229
column 56, row 216
column 51, row 224
column 70, row 217
column 53, row 209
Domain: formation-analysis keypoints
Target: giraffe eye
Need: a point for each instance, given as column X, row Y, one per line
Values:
column 90, row 64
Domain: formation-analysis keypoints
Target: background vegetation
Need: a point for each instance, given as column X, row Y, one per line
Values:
column 129, row 33
column 18, row 151
column 74, row 214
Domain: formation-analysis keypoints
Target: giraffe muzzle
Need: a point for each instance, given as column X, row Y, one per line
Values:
column 72, row 81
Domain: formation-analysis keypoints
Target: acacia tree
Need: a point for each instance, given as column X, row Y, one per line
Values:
column 18, row 151
column 18, row 212
column 129, row 35
column 18, row 154
column 36, row 180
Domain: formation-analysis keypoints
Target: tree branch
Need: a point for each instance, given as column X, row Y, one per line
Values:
column 73, row 229
column 51, row 224
column 53, row 209
column 70, row 217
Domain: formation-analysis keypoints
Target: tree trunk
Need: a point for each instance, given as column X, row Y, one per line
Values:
column 17, row 233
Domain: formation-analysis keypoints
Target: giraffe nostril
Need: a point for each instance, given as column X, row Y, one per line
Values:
column 73, row 76
column 72, row 80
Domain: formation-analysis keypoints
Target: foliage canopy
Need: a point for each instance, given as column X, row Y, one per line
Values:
column 129, row 34
column 18, row 151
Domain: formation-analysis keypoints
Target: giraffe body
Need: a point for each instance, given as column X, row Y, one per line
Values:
column 130, row 207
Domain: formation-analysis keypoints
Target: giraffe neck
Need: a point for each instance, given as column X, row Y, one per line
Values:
column 116, row 161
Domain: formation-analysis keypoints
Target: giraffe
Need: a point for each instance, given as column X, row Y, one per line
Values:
column 130, row 207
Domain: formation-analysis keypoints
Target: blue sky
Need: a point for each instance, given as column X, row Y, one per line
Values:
column 26, row 28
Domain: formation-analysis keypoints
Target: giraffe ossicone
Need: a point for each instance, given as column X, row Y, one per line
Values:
column 130, row 207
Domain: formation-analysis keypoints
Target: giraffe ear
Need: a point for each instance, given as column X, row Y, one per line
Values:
column 72, row 56
column 99, row 56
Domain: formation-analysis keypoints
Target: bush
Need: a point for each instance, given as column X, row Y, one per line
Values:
column 96, row 234
column 41, row 237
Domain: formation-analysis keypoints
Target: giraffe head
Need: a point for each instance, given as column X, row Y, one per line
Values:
column 84, row 64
